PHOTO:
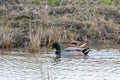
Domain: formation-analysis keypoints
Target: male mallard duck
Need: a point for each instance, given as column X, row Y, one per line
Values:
column 70, row 51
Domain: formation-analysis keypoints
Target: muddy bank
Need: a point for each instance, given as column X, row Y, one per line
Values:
column 23, row 23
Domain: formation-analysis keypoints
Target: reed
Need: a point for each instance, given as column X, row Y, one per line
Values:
column 6, row 40
column 90, row 19
column 39, row 36
column 42, row 36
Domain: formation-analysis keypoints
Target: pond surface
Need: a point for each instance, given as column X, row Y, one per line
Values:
column 101, row 64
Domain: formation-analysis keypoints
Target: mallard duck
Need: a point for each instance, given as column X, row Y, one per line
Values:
column 71, row 50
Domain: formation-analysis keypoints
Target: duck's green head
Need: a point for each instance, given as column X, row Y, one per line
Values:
column 56, row 46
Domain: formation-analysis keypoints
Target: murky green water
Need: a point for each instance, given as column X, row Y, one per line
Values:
column 100, row 64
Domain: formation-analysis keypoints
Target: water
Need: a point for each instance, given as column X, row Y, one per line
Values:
column 100, row 64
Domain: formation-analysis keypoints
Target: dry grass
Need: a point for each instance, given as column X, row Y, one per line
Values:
column 88, row 20
column 44, row 36
column 39, row 37
column 6, row 38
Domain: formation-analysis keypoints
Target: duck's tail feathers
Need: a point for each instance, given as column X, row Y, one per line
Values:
column 86, row 51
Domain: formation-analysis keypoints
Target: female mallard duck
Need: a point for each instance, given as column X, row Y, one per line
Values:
column 70, row 51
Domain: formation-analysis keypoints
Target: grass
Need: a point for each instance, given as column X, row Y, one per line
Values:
column 81, row 1
column 44, row 36
column 38, row 35
column 107, row 1
column 37, row 1
column 89, row 22
column 53, row 2
column 118, row 6
column 6, row 38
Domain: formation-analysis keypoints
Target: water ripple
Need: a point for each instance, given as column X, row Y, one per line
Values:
column 98, row 65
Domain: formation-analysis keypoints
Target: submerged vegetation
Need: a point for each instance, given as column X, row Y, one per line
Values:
column 36, row 23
